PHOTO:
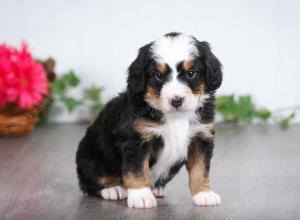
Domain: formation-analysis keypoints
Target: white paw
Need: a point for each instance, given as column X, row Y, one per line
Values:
column 159, row 191
column 207, row 198
column 141, row 198
column 114, row 193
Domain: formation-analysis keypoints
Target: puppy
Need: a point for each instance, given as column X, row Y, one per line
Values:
column 164, row 120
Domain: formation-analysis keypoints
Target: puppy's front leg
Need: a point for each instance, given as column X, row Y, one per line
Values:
column 197, row 164
column 137, row 181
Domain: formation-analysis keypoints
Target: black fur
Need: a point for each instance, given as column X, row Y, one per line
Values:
column 136, row 79
column 213, row 66
column 111, row 147
column 172, row 34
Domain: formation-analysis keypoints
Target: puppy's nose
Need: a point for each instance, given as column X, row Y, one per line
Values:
column 177, row 101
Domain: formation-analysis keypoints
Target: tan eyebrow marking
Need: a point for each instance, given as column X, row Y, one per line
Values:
column 200, row 90
column 162, row 68
column 187, row 64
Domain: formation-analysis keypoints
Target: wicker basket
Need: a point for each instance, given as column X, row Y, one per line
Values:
column 19, row 123
column 15, row 122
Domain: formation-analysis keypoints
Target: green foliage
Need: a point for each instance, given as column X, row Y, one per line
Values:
column 227, row 107
column 58, row 87
column 94, row 94
column 62, row 85
column 242, row 109
column 70, row 79
column 70, row 102
column 246, row 109
column 285, row 121
column 263, row 114
column 235, row 110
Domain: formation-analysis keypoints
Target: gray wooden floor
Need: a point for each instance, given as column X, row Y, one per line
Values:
column 255, row 170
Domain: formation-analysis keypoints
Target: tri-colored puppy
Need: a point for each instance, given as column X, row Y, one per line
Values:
column 164, row 120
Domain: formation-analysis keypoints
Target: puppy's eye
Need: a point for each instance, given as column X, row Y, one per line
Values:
column 159, row 77
column 191, row 74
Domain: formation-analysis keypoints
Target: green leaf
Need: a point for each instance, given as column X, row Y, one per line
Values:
column 246, row 109
column 263, row 114
column 94, row 93
column 71, row 79
column 242, row 109
column 58, row 87
column 70, row 103
column 285, row 121
column 228, row 107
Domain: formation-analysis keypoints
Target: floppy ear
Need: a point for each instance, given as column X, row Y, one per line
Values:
column 136, row 72
column 214, row 73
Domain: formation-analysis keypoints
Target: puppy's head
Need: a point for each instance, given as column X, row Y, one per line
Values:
column 175, row 73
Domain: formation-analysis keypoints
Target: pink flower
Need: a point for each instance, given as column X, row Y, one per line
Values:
column 22, row 80
column 4, row 70
column 2, row 89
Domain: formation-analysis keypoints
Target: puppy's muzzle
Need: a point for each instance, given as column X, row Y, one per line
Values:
column 177, row 101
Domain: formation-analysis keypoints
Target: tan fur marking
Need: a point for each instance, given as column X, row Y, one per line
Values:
column 141, row 126
column 207, row 133
column 161, row 67
column 132, row 180
column 109, row 181
column 198, row 174
column 152, row 95
column 187, row 64
column 200, row 91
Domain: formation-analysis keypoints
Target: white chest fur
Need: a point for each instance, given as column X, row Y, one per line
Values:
column 176, row 132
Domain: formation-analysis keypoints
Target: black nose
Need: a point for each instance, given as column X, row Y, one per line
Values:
column 176, row 101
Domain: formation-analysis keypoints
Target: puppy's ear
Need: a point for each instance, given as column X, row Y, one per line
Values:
column 214, row 73
column 136, row 72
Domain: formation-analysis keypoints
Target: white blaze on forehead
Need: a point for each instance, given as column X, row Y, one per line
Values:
column 172, row 50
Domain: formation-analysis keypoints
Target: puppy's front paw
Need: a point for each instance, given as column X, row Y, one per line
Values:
column 207, row 198
column 141, row 198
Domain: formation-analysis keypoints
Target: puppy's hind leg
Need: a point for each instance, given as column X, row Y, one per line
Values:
column 90, row 174
column 87, row 170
